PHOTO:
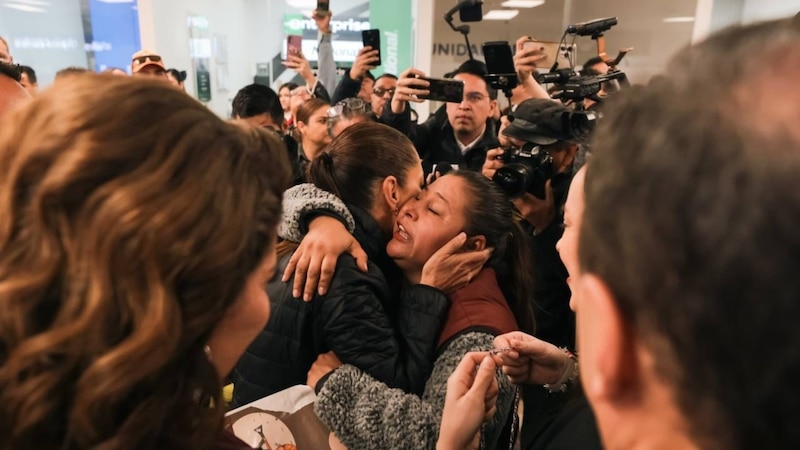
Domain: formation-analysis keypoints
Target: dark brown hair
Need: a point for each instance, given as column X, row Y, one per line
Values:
column 359, row 158
column 130, row 218
column 692, row 207
column 308, row 108
column 490, row 214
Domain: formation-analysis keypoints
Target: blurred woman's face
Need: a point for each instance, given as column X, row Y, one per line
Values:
column 245, row 318
column 315, row 132
column 567, row 246
column 428, row 221
column 285, row 95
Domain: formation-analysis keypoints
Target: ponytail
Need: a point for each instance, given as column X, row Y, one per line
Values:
column 322, row 173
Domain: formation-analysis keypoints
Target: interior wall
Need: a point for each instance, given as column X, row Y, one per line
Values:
column 165, row 30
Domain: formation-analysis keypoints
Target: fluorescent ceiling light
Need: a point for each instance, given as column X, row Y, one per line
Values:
column 25, row 8
column 115, row 1
column 681, row 19
column 31, row 2
column 302, row 4
column 522, row 3
column 501, row 14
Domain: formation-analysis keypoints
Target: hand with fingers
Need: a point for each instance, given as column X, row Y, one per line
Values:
column 471, row 400
column 493, row 161
column 364, row 62
column 325, row 364
column 300, row 64
column 526, row 58
column 323, row 20
column 527, row 360
column 452, row 268
column 409, row 88
column 539, row 212
column 314, row 262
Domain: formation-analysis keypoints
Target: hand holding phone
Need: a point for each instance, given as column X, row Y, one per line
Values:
column 372, row 38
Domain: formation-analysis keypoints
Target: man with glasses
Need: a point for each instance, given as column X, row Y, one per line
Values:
column 462, row 138
column 382, row 92
column 146, row 63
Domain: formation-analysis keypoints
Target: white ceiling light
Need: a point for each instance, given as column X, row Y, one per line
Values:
column 522, row 3
column 302, row 4
column 680, row 19
column 31, row 2
column 501, row 14
column 115, row 1
column 25, row 8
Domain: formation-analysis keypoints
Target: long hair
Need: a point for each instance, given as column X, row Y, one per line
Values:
column 490, row 214
column 130, row 218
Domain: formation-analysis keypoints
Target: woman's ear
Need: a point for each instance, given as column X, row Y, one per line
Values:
column 475, row 243
column 391, row 194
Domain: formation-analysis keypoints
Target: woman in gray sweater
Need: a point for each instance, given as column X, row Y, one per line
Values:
column 365, row 413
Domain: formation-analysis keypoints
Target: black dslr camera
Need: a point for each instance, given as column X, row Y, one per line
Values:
column 526, row 169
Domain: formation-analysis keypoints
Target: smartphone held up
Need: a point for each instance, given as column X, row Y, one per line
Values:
column 372, row 38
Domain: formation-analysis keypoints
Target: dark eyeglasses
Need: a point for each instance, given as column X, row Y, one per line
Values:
column 143, row 59
column 380, row 92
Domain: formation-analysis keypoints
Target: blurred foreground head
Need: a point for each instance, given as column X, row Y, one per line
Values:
column 688, row 299
column 131, row 220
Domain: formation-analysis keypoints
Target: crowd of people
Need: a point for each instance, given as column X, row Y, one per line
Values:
column 634, row 292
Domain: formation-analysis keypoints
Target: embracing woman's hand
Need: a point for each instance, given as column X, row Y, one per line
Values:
column 452, row 268
column 314, row 262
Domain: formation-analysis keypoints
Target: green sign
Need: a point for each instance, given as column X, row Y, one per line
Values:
column 393, row 18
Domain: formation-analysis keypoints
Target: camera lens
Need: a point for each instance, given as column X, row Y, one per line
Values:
column 513, row 179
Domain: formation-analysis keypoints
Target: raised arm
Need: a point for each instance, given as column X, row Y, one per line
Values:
column 326, row 66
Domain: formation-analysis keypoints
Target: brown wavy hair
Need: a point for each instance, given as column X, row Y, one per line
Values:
column 130, row 218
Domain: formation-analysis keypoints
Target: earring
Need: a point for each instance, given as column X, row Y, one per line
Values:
column 396, row 211
column 207, row 350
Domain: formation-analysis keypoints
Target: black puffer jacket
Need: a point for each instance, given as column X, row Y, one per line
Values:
column 391, row 337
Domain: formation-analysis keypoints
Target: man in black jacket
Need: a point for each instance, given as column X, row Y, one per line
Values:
column 463, row 139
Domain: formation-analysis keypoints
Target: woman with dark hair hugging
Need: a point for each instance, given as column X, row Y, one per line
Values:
column 365, row 413
column 363, row 318
column 134, row 249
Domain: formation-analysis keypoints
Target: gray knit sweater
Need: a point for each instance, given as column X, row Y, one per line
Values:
column 304, row 199
column 366, row 414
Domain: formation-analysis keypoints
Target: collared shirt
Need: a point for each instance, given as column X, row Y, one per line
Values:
column 465, row 148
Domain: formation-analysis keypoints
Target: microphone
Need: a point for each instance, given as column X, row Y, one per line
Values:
column 592, row 27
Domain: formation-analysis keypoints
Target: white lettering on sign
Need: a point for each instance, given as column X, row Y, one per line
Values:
column 391, row 61
column 336, row 25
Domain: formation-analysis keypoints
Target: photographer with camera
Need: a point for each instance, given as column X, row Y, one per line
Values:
column 535, row 169
column 467, row 134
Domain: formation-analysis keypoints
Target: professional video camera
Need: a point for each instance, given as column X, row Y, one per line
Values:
column 544, row 126
column 576, row 87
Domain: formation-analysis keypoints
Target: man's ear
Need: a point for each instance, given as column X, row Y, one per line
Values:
column 493, row 107
column 607, row 344
column 391, row 194
column 475, row 243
